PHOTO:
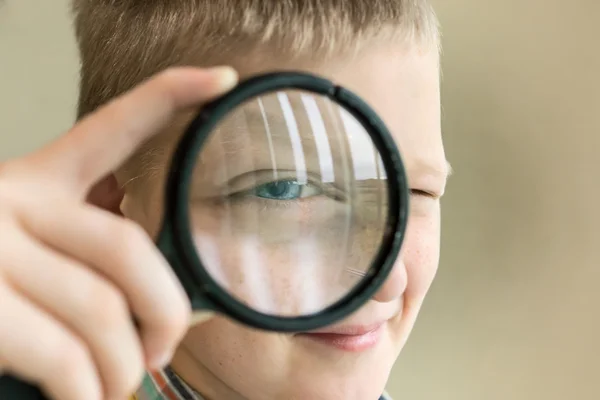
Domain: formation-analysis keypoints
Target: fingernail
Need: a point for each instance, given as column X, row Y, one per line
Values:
column 226, row 76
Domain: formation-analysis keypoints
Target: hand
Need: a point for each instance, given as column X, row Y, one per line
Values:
column 72, row 275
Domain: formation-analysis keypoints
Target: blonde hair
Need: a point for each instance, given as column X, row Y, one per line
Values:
column 123, row 42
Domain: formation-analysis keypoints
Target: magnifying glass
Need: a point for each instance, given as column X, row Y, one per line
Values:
column 286, row 205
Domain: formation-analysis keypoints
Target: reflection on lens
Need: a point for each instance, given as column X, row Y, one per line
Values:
column 288, row 203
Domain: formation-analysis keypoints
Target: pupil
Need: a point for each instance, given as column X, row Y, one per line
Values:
column 278, row 189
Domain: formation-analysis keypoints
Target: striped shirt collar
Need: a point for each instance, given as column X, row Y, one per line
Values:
column 166, row 385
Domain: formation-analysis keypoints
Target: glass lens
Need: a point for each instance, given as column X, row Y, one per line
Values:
column 289, row 201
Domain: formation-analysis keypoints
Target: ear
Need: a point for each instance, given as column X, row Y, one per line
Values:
column 107, row 195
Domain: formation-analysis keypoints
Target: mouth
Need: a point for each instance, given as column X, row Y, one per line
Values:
column 350, row 338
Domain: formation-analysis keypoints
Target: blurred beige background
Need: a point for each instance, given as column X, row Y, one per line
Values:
column 514, row 311
column 38, row 73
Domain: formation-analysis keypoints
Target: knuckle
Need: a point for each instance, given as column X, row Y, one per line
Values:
column 179, row 317
column 107, row 305
column 129, row 236
column 131, row 378
column 125, row 371
column 171, row 332
column 123, row 381
column 175, row 323
column 69, row 356
column 129, row 240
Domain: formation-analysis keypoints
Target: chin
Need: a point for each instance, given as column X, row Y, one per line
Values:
column 348, row 362
column 344, row 374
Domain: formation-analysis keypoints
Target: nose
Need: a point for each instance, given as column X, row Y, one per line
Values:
column 394, row 286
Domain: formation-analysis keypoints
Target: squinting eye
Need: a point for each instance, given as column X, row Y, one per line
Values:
column 285, row 190
column 419, row 192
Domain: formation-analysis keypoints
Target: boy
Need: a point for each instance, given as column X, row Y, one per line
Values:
column 384, row 50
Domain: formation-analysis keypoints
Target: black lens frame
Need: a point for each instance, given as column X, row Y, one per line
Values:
column 175, row 240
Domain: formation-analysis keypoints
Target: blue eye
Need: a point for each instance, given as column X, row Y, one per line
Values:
column 283, row 190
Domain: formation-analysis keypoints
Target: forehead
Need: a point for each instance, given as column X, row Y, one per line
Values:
column 403, row 87
column 401, row 84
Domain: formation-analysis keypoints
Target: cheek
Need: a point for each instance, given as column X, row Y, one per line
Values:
column 421, row 253
column 231, row 351
column 219, row 337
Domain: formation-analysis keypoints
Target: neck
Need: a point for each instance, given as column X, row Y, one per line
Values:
column 200, row 378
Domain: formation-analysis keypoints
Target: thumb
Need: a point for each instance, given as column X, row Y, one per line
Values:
column 104, row 139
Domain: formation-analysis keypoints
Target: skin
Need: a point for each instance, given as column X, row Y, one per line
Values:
column 222, row 359
column 72, row 275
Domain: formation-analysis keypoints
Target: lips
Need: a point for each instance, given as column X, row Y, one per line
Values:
column 350, row 330
column 351, row 338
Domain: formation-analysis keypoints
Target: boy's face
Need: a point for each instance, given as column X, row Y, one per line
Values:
column 225, row 360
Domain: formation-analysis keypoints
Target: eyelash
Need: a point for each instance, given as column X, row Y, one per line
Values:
column 413, row 192
column 423, row 193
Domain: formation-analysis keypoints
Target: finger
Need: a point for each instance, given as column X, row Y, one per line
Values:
column 88, row 305
column 42, row 351
column 103, row 140
column 124, row 253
